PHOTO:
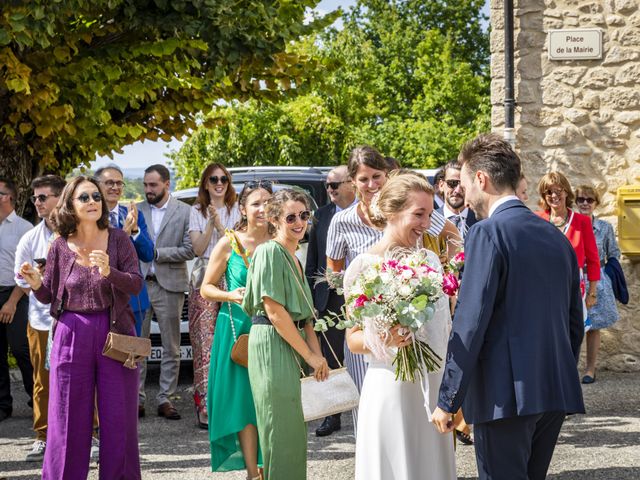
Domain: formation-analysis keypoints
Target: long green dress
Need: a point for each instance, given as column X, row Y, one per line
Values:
column 229, row 400
column 273, row 370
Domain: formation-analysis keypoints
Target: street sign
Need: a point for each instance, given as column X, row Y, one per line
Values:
column 578, row 44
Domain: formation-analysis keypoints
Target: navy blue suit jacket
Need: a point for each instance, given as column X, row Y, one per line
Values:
column 518, row 323
column 317, row 256
column 144, row 248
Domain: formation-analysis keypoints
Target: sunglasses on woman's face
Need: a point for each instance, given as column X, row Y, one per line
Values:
column 214, row 179
column 86, row 198
column 253, row 184
column 588, row 200
column 304, row 216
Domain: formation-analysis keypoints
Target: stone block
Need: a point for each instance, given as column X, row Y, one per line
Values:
column 625, row 6
column 630, row 37
column 628, row 75
column 557, row 136
column 554, row 93
column 634, row 19
column 620, row 55
column 543, row 117
column 616, row 130
column 531, row 21
column 529, row 67
column 576, row 116
column 620, row 98
column 593, row 19
column 628, row 118
column 497, row 91
column 589, row 100
column 601, row 116
column 496, row 41
column 497, row 66
column 527, row 92
column 597, row 79
column 529, row 39
column 621, row 362
column 580, row 150
column 591, row 7
column 568, row 75
column 615, row 20
column 568, row 22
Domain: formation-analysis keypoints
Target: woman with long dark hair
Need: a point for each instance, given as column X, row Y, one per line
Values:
column 214, row 211
column 90, row 273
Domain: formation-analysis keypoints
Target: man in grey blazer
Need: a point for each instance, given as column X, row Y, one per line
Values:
column 166, row 280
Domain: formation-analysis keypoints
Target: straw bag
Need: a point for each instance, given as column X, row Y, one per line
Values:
column 126, row 349
column 336, row 394
column 240, row 348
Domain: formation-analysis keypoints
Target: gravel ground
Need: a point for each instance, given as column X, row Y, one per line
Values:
column 604, row 444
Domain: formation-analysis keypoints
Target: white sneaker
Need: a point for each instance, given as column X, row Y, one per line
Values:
column 37, row 451
column 95, row 449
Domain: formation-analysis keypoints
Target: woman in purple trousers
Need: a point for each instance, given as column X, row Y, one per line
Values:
column 90, row 272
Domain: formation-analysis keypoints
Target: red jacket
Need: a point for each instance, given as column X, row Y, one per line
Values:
column 580, row 234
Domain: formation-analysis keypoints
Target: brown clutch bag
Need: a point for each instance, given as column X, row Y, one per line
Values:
column 240, row 350
column 126, row 349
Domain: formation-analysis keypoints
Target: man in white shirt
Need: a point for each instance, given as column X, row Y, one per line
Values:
column 33, row 249
column 455, row 209
column 13, row 304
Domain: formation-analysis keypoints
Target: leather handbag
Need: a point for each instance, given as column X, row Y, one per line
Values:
column 126, row 349
column 240, row 348
column 337, row 394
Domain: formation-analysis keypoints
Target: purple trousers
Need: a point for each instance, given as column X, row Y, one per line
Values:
column 79, row 375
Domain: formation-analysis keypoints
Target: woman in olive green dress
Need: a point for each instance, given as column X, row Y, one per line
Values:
column 275, row 299
column 233, row 431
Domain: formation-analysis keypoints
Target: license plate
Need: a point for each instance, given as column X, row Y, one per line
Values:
column 185, row 353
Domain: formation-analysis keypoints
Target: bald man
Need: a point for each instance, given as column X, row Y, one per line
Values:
column 342, row 194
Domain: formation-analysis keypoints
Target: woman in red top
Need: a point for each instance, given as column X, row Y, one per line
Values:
column 556, row 198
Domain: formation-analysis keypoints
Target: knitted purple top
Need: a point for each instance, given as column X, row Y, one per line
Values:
column 66, row 287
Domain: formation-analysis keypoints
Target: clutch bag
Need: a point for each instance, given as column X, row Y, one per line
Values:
column 336, row 394
column 240, row 349
column 126, row 349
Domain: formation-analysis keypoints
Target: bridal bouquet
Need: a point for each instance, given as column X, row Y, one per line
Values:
column 451, row 280
column 392, row 292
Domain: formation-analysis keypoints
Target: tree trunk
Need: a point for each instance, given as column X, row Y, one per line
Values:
column 18, row 165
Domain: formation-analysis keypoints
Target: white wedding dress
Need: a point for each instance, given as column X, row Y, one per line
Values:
column 396, row 439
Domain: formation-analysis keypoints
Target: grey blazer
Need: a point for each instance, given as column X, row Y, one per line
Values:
column 172, row 246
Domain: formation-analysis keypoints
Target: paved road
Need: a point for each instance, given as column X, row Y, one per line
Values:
column 605, row 444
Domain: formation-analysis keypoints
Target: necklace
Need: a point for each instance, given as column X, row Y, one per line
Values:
column 561, row 223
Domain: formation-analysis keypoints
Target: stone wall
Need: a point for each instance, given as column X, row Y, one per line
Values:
column 579, row 117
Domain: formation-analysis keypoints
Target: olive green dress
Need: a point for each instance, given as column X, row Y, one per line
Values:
column 273, row 371
column 229, row 399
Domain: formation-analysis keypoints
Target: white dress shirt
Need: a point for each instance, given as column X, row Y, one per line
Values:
column 462, row 224
column 12, row 229
column 34, row 244
column 500, row 202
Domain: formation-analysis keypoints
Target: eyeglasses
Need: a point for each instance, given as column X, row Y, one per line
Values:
column 588, row 200
column 266, row 184
column 333, row 185
column 304, row 216
column 452, row 184
column 550, row 193
column 86, row 198
column 215, row 179
column 114, row 183
column 41, row 198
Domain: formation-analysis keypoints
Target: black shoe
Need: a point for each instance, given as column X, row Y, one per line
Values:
column 141, row 411
column 331, row 424
column 589, row 379
column 4, row 414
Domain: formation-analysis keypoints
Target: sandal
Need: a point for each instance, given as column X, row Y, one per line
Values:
column 464, row 437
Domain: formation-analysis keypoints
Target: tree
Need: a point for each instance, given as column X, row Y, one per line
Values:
column 410, row 77
column 81, row 78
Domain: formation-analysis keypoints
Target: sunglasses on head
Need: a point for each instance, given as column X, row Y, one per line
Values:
column 304, row 216
column 41, row 198
column 588, row 200
column 214, row 179
column 85, row 197
column 253, row 184
column 333, row 185
column 452, row 184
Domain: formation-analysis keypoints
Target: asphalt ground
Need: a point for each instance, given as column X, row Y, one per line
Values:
column 604, row 444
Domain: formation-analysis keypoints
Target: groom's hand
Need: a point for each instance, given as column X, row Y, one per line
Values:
column 442, row 420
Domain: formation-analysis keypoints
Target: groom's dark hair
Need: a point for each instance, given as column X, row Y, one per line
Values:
column 493, row 155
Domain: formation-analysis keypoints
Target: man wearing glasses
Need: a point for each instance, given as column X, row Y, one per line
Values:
column 342, row 194
column 133, row 223
column 33, row 249
column 13, row 304
column 455, row 209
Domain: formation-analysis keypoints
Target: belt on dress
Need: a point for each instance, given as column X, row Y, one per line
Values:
column 262, row 320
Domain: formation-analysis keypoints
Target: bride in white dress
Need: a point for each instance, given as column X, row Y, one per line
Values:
column 396, row 439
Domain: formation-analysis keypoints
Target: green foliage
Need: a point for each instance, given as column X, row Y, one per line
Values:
column 81, row 78
column 410, row 77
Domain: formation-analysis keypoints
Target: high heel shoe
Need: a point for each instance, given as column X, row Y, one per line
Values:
column 201, row 422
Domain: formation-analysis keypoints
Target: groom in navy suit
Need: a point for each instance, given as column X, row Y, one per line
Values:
column 517, row 330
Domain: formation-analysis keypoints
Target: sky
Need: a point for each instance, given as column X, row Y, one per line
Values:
column 143, row 154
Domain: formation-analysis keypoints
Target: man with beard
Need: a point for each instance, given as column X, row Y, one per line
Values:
column 326, row 300
column 166, row 280
column 454, row 208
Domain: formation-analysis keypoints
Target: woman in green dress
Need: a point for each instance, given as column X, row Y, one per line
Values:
column 275, row 299
column 232, row 417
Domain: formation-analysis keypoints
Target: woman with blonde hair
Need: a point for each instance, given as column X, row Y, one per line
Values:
column 604, row 313
column 396, row 439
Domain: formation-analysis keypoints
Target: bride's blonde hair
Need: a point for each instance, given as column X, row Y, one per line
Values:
column 393, row 196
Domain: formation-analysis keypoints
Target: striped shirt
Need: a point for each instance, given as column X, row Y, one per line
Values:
column 349, row 236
